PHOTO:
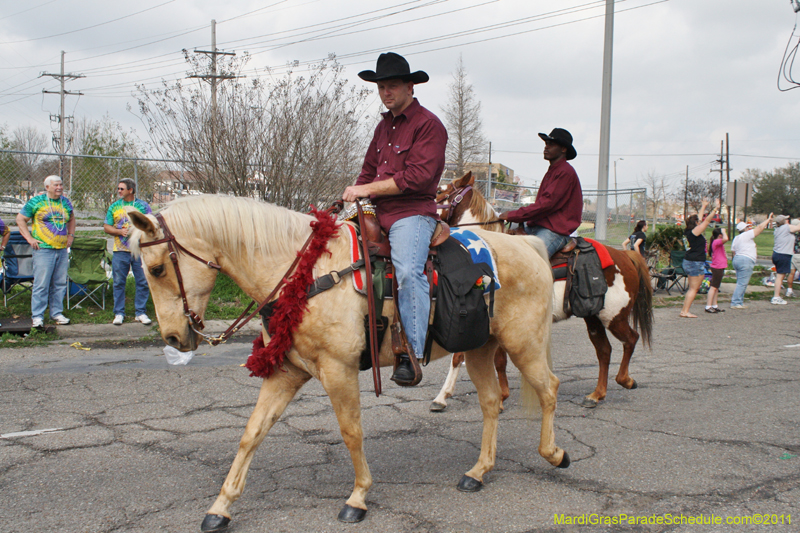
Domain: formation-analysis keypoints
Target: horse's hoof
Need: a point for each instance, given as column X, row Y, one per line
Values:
column 589, row 403
column 635, row 385
column 438, row 407
column 469, row 484
column 214, row 522
column 351, row 515
column 564, row 461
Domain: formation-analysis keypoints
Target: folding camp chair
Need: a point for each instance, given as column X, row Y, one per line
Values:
column 87, row 274
column 17, row 267
column 677, row 276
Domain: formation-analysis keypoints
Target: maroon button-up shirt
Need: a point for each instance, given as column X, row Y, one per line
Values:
column 409, row 149
column 559, row 202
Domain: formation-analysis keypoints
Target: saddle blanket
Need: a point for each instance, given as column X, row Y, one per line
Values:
column 478, row 249
column 560, row 271
column 476, row 246
column 602, row 253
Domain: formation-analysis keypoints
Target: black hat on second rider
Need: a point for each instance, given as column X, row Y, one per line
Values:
column 393, row 66
column 561, row 137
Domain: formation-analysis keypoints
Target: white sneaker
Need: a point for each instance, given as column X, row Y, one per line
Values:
column 739, row 306
column 789, row 293
column 60, row 319
column 37, row 322
column 144, row 319
column 777, row 300
column 118, row 320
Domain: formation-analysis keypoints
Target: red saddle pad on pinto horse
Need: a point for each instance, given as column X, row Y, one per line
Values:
column 560, row 270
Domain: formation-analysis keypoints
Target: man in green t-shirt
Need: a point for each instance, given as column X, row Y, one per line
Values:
column 118, row 225
column 53, row 232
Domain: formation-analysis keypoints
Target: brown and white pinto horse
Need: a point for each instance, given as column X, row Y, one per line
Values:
column 255, row 244
column 629, row 298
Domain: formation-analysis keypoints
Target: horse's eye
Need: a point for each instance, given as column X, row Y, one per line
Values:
column 157, row 270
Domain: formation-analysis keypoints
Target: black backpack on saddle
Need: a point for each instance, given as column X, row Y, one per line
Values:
column 461, row 316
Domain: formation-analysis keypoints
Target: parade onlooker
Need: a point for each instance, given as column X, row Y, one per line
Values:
column 719, row 260
column 782, row 252
column 53, row 231
column 5, row 232
column 118, row 225
column 637, row 239
column 744, row 253
column 694, row 262
column 795, row 260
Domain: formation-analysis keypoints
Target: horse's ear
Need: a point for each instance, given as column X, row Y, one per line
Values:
column 470, row 179
column 463, row 181
column 143, row 222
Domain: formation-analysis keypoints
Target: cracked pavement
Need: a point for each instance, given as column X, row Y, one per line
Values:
column 142, row 446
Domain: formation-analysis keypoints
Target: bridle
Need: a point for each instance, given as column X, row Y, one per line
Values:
column 175, row 247
column 451, row 202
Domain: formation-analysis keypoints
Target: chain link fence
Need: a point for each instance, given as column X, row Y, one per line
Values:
column 624, row 207
column 90, row 182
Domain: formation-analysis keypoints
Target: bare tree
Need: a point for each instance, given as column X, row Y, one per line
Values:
column 31, row 141
column 292, row 141
column 657, row 193
column 695, row 191
column 462, row 117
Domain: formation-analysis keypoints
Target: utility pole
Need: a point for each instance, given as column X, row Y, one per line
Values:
column 727, row 180
column 212, row 78
column 489, row 175
column 60, row 143
column 605, row 126
column 686, row 195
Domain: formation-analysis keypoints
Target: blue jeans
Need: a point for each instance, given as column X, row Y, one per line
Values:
column 410, row 239
column 121, row 264
column 744, row 269
column 49, row 281
column 552, row 240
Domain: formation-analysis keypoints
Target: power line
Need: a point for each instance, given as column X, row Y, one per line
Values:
column 88, row 27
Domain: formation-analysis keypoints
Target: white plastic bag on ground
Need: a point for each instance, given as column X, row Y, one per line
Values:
column 174, row 357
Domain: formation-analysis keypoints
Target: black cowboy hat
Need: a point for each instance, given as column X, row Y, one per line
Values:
column 392, row 66
column 561, row 137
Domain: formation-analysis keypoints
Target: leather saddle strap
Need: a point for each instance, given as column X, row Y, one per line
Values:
column 374, row 347
column 568, row 284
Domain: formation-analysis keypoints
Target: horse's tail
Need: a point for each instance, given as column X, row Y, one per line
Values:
column 643, row 304
column 529, row 400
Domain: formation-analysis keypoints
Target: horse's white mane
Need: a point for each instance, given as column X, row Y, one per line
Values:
column 239, row 225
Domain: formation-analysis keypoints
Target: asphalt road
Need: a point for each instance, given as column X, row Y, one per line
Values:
column 138, row 445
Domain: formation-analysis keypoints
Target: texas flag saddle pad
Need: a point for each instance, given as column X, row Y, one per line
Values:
column 478, row 249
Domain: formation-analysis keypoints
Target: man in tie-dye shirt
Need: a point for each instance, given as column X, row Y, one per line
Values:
column 53, row 232
column 118, row 225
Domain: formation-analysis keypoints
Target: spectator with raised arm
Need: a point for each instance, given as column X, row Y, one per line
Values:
column 744, row 253
column 694, row 262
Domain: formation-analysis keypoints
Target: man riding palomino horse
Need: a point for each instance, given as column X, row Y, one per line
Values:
column 556, row 213
column 401, row 173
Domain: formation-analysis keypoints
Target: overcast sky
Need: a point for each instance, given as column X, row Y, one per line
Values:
column 685, row 72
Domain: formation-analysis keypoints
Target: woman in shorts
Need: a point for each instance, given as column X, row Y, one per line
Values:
column 694, row 263
column 782, row 254
column 719, row 261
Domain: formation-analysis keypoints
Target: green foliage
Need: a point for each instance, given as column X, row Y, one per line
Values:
column 666, row 238
column 777, row 191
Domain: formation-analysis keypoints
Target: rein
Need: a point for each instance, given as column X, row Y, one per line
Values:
column 195, row 322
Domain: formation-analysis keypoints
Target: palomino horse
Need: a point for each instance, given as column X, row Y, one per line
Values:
column 255, row 243
column 629, row 297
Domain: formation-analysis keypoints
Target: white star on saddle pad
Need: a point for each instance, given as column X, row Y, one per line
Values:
column 476, row 246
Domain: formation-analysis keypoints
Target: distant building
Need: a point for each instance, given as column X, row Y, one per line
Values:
column 479, row 170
